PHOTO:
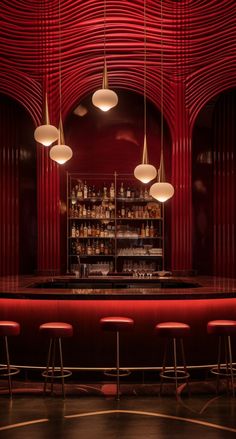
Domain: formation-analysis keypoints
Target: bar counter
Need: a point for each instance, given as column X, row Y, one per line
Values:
column 28, row 301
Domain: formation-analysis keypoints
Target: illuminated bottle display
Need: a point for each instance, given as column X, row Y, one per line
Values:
column 121, row 227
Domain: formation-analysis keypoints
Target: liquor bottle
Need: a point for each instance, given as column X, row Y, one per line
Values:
column 76, row 212
column 123, row 211
column 73, row 229
column 107, row 214
column 77, row 231
column 105, row 192
column 89, row 212
column 89, row 192
column 112, row 191
column 93, row 192
column 73, row 197
column 147, row 230
column 93, row 230
column 106, row 249
column 81, row 230
column 102, row 232
column 93, row 212
column 89, row 230
column 128, row 192
column 146, row 194
column 143, row 234
column 102, row 248
column 122, row 191
column 79, row 193
column 97, row 248
column 84, row 213
column 151, row 230
column 89, row 249
column 85, row 190
column 98, row 230
column 85, row 231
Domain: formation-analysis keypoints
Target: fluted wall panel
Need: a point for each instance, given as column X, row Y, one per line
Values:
column 197, row 40
column 9, row 193
column 224, row 187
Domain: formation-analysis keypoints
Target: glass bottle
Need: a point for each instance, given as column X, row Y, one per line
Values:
column 151, row 230
column 79, row 193
column 85, row 190
column 147, row 230
column 122, row 191
column 112, row 191
column 73, row 229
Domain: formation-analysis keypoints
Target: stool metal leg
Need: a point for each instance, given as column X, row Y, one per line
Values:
column 118, row 365
column 184, row 364
column 231, row 364
column 218, row 365
column 175, row 367
column 53, row 362
column 62, row 370
column 163, row 366
column 8, row 367
column 226, row 362
column 48, row 364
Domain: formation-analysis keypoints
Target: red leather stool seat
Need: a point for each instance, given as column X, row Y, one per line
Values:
column 8, row 328
column 172, row 329
column 221, row 327
column 116, row 323
column 56, row 329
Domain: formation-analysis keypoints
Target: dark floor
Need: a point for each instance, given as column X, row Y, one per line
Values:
column 91, row 411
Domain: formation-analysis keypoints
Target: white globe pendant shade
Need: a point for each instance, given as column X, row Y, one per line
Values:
column 46, row 134
column 145, row 172
column 60, row 153
column 162, row 191
column 105, row 99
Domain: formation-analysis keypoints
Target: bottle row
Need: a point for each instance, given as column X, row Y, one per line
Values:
column 108, row 231
column 95, row 231
column 152, row 210
column 92, row 248
column 96, row 212
column 82, row 191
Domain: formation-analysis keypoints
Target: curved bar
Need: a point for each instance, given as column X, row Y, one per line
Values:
column 84, row 308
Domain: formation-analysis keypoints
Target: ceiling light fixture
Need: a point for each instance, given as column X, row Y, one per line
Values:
column 145, row 172
column 162, row 190
column 60, row 153
column 104, row 98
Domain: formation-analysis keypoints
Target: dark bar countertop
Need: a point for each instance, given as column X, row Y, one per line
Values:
column 116, row 287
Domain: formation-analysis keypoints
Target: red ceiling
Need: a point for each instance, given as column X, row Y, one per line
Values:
column 199, row 39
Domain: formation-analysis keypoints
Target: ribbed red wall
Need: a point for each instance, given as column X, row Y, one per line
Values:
column 224, row 187
column 9, row 191
column 198, row 40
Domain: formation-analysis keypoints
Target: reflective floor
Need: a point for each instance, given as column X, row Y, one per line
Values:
column 91, row 411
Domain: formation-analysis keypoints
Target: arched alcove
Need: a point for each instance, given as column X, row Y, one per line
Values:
column 113, row 141
column 213, row 171
column 18, row 195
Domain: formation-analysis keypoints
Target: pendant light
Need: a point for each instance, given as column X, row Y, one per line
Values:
column 60, row 153
column 162, row 190
column 104, row 98
column 46, row 133
column 145, row 172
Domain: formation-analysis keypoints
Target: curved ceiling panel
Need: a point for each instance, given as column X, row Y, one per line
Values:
column 193, row 34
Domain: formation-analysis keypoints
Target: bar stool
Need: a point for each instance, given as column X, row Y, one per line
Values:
column 173, row 331
column 8, row 328
column 117, row 324
column 223, row 329
column 55, row 331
